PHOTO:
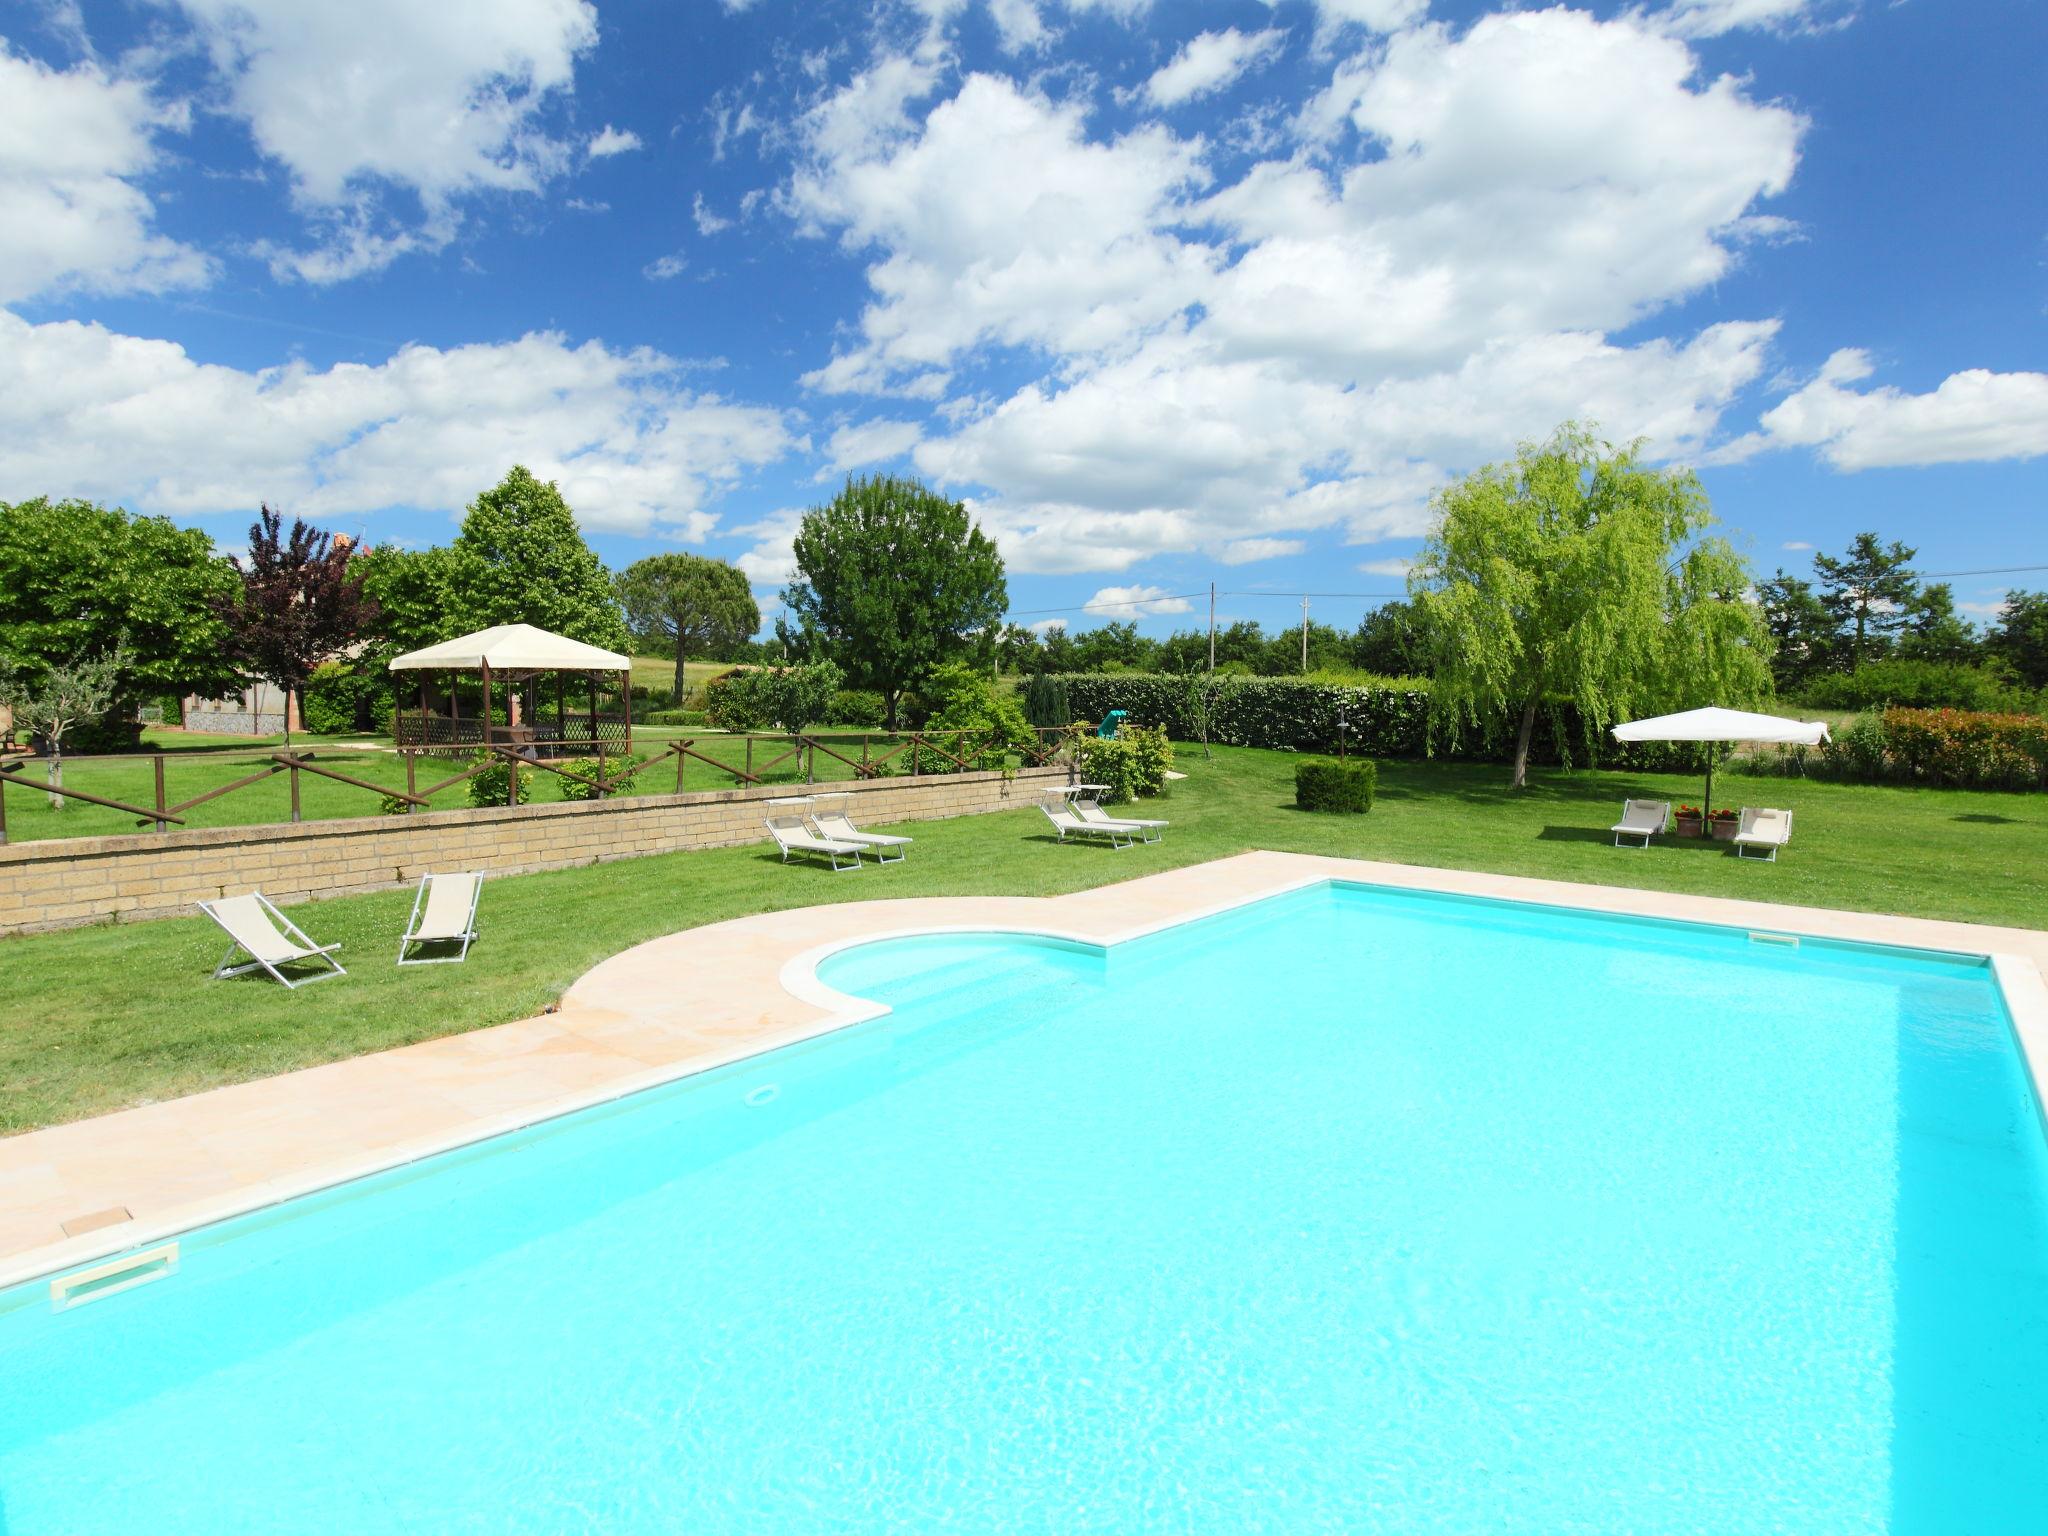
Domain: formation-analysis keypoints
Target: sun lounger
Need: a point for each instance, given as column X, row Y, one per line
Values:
column 1092, row 811
column 443, row 912
column 268, row 938
column 1642, row 818
column 793, row 836
column 836, row 827
column 1064, row 818
column 1762, row 828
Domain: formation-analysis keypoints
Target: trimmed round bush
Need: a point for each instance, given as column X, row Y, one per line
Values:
column 1320, row 785
column 858, row 707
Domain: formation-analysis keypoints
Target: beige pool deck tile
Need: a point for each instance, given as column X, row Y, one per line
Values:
column 702, row 998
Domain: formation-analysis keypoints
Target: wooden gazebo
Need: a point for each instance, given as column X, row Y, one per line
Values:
column 541, row 721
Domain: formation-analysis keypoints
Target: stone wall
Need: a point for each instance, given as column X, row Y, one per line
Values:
column 64, row 882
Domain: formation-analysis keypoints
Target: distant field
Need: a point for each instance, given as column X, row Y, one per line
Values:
column 654, row 672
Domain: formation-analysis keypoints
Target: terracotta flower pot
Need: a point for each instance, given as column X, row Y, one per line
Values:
column 1723, row 828
column 1683, row 825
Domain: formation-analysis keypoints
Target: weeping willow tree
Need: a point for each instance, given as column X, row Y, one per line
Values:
column 1579, row 582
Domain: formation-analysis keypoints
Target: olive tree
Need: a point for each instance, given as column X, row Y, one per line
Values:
column 65, row 694
column 1578, row 577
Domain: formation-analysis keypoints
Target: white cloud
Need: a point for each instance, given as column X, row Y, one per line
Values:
column 613, row 141
column 1211, row 62
column 1019, row 25
column 1969, row 417
column 1431, row 275
column 708, row 222
column 1398, row 569
column 442, row 100
column 872, row 442
column 1136, row 602
column 662, row 268
column 1795, row 545
column 90, row 412
column 1712, row 18
column 1000, row 222
column 772, row 560
column 1245, row 551
column 73, row 145
column 1372, row 15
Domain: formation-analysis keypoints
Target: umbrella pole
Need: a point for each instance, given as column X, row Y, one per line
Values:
column 1707, row 807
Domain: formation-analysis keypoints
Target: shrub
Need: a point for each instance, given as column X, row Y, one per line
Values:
column 1112, row 764
column 1903, row 681
column 965, row 701
column 676, row 717
column 342, row 696
column 171, row 709
column 1856, row 751
column 736, row 701
column 1382, row 719
column 1967, row 749
column 1045, row 702
column 857, row 706
column 1321, row 785
column 578, row 779
column 393, row 805
column 488, row 788
column 1151, row 756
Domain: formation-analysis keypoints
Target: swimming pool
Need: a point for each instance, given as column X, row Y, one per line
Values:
column 1351, row 1209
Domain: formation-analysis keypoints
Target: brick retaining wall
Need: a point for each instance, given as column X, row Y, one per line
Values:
column 64, row 882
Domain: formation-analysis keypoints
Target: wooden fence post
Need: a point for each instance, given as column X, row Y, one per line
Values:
column 3, row 815
column 750, row 757
column 512, row 777
column 162, row 826
column 412, row 782
column 682, row 757
column 295, row 788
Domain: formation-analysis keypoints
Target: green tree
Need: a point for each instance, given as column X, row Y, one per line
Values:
column 1868, row 590
column 794, row 697
column 1018, row 650
column 410, row 588
column 1934, row 631
column 1391, row 641
column 1804, row 633
column 695, row 603
column 896, row 580
column 1111, row 645
column 73, row 573
column 1579, row 576
column 521, row 559
column 2020, row 639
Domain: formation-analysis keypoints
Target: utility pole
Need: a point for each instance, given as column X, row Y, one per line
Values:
column 1212, row 629
column 1304, row 636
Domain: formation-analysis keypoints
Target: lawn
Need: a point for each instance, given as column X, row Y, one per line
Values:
column 103, row 1017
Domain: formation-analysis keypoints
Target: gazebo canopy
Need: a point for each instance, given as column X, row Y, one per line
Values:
column 512, row 648
column 1723, row 725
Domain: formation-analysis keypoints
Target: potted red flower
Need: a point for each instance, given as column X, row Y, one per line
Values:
column 1687, row 821
column 1723, row 823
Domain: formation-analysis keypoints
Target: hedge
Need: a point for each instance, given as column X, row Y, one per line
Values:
column 1968, row 749
column 1321, row 785
column 1300, row 715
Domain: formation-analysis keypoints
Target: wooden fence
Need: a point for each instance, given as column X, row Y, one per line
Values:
column 757, row 756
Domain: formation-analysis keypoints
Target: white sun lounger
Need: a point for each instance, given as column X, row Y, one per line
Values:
column 443, row 912
column 837, row 827
column 1642, row 818
column 1064, row 818
column 269, row 938
column 793, row 836
column 1762, row 828
column 1091, row 810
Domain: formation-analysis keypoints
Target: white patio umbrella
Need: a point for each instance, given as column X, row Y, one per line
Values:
column 1716, row 724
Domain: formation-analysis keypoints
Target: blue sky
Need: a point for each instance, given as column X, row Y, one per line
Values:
column 1171, row 292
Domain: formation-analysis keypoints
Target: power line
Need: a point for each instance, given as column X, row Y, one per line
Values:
column 1996, row 570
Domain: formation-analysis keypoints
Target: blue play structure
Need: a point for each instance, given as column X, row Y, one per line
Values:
column 1111, row 723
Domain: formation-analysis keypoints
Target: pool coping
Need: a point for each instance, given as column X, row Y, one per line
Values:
column 627, row 1026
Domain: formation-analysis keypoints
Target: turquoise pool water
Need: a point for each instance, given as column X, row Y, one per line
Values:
column 1351, row 1211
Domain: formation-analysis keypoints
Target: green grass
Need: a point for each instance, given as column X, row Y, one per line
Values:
column 659, row 674
column 102, row 1017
